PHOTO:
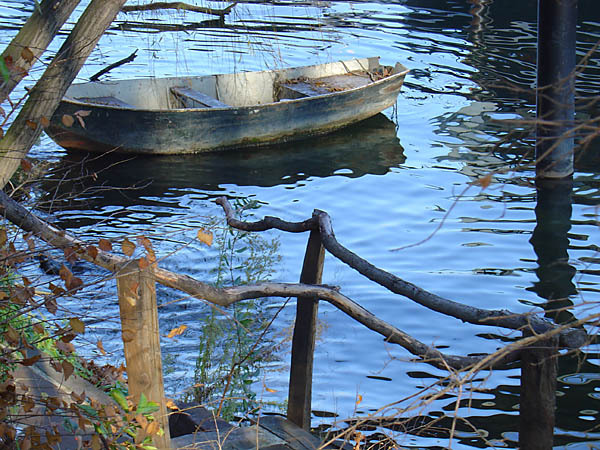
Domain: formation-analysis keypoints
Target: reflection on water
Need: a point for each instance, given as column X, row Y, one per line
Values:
column 472, row 72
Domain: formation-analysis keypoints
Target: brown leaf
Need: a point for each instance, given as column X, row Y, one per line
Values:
column 26, row 165
column 143, row 263
column 30, row 361
column 205, row 236
column 67, row 369
column 50, row 304
column 12, row 336
column 31, row 124
column 70, row 254
column 65, row 347
column 105, row 245
column 39, row 328
column 484, row 182
column 128, row 247
column 45, row 122
column 65, row 273
column 177, row 331
column 77, row 325
column 141, row 420
column 91, row 251
column 74, row 284
column 100, row 347
column 27, row 54
column 67, row 120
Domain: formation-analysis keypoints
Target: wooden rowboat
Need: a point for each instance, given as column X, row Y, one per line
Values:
column 206, row 113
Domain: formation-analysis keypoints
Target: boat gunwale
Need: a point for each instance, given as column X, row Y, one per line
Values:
column 100, row 106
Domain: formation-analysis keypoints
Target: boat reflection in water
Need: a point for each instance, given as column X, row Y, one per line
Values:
column 370, row 147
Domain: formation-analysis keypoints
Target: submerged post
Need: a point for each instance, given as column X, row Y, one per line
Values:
column 303, row 342
column 141, row 339
column 557, row 22
column 538, row 394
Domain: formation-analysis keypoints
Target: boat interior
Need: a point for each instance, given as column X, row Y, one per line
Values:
column 233, row 90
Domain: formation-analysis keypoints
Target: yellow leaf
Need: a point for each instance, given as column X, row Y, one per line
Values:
column 77, row 325
column 171, row 404
column 100, row 347
column 358, row 399
column 269, row 389
column 205, row 236
column 177, row 331
column 152, row 428
column 128, row 247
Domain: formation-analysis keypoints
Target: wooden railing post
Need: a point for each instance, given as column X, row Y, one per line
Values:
column 141, row 339
column 538, row 394
column 303, row 342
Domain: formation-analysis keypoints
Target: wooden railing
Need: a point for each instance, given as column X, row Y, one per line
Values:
column 139, row 319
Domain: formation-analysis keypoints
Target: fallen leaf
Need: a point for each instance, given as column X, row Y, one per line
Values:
column 128, row 247
column 105, row 245
column 205, row 236
column 77, row 325
column 177, row 331
column 45, row 122
column 67, row 120
column 484, row 182
column 70, row 254
column 31, row 124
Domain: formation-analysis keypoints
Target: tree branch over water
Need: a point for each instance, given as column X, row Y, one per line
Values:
column 178, row 6
column 572, row 338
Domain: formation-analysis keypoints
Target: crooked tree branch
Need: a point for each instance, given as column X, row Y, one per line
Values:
column 179, row 6
column 27, row 221
column 113, row 65
column 571, row 338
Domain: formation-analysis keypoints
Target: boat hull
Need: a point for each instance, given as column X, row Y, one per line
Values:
column 102, row 128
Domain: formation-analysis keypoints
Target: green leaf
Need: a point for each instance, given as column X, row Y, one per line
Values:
column 118, row 396
column 91, row 412
column 4, row 71
column 146, row 407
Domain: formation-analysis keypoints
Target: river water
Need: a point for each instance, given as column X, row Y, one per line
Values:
column 398, row 189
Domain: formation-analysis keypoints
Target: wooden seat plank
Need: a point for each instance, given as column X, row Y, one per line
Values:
column 107, row 100
column 319, row 86
column 195, row 99
column 294, row 436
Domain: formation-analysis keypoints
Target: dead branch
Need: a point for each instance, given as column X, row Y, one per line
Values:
column 113, row 65
column 227, row 296
column 572, row 338
column 179, row 6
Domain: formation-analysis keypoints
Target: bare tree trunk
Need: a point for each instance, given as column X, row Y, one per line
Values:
column 49, row 90
column 33, row 39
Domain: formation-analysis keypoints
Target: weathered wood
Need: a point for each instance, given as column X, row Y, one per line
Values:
column 50, row 89
column 227, row 296
column 194, row 99
column 110, row 101
column 296, row 438
column 32, row 40
column 538, row 394
column 141, row 340
column 303, row 341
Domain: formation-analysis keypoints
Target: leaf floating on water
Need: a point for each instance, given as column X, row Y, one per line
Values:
column 205, row 236
column 177, row 331
column 128, row 247
column 67, row 120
